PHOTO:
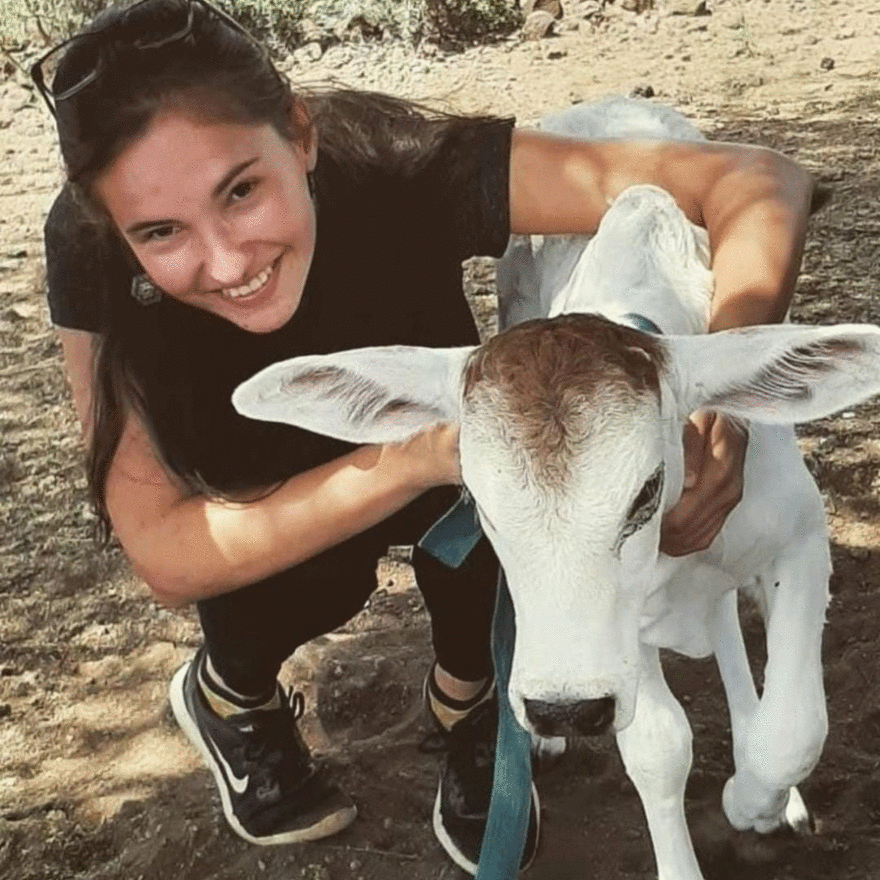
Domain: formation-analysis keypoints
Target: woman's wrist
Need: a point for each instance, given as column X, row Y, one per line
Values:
column 427, row 459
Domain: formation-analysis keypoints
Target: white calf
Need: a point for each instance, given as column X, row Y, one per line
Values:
column 571, row 447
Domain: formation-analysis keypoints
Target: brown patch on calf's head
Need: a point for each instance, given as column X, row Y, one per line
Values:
column 549, row 371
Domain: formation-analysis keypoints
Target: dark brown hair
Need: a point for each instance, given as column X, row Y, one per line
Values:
column 222, row 75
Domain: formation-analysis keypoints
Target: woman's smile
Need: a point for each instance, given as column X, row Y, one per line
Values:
column 259, row 284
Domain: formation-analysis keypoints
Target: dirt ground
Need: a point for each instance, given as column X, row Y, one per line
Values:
column 96, row 782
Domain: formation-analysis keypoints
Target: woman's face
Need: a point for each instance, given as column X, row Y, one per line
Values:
column 218, row 214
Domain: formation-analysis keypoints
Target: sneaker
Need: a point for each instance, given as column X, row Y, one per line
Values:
column 270, row 790
column 461, row 808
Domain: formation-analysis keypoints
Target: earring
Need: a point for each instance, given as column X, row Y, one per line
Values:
column 144, row 291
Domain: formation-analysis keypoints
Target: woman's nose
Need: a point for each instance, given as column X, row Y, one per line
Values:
column 225, row 262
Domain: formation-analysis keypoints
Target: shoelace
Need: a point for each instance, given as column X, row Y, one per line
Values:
column 274, row 753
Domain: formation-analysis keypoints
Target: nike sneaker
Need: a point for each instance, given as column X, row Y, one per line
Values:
column 461, row 808
column 270, row 789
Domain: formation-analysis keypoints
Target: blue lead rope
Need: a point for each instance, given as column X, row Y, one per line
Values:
column 508, row 822
column 450, row 540
column 455, row 534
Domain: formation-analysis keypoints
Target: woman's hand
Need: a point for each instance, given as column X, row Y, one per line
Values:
column 432, row 455
column 714, row 458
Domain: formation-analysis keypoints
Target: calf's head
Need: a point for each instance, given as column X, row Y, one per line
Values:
column 570, row 446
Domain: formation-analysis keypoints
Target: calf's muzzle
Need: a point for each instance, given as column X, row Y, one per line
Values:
column 574, row 718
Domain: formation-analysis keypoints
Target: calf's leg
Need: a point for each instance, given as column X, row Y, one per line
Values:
column 656, row 751
column 748, row 797
column 778, row 739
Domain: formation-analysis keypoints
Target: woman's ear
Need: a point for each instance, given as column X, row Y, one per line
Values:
column 303, row 130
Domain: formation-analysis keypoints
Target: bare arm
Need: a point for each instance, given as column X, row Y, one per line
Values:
column 754, row 202
column 187, row 547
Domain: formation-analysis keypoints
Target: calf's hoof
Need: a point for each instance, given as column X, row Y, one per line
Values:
column 761, row 810
column 797, row 816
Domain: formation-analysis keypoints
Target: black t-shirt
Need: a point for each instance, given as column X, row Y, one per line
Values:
column 386, row 270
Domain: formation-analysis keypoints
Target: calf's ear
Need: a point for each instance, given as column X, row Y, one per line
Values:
column 367, row 395
column 780, row 374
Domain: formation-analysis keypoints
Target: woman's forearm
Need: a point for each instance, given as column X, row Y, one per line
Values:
column 757, row 219
column 200, row 548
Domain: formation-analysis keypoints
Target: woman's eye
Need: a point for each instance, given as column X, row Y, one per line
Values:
column 242, row 190
column 159, row 233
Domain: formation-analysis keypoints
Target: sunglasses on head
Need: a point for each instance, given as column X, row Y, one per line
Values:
column 178, row 25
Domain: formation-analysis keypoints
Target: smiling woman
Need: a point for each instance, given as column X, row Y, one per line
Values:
column 215, row 222
column 251, row 224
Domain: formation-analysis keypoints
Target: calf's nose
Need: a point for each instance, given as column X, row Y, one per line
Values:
column 573, row 718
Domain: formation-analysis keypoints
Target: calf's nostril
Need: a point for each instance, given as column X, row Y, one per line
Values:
column 573, row 718
column 545, row 717
column 594, row 716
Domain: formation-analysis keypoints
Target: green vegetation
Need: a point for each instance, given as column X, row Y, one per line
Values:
column 285, row 24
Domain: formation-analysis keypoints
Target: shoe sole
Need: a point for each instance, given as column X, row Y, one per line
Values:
column 325, row 828
column 458, row 856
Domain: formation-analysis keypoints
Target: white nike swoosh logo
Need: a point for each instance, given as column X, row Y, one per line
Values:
column 238, row 784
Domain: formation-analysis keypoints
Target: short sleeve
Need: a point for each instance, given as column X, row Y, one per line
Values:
column 82, row 268
column 474, row 187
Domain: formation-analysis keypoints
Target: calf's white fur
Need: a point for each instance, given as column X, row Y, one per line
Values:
column 573, row 462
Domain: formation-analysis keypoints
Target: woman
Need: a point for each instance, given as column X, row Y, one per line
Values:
column 215, row 222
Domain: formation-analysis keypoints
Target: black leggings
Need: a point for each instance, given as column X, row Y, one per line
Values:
column 250, row 632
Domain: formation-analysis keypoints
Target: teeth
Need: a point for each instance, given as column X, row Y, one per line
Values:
column 253, row 285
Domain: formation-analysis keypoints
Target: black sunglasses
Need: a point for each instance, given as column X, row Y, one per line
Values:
column 176, row 29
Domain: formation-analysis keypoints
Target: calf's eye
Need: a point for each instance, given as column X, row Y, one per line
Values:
column 644, row 506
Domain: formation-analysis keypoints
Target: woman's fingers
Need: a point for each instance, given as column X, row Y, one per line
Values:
column 714, row 457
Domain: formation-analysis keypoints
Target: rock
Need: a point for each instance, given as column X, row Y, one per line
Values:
column 827, row 63
column 309, row 31
column 537, row 25
column 589, row 8
column 554, row 7
column 636, row 5
column 308, row 53
column 24, row 311
column 686, row 7
column 643, row 91
column 337, row 56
